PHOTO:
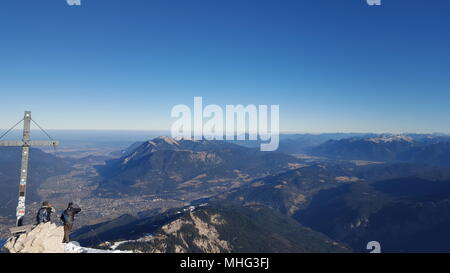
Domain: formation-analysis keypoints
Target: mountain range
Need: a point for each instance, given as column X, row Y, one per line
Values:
column 408, row 214
column 166, row 166
column 398, row 201
column 210, row 228
column 392, row 148
column 396, row 204
column 393, row 189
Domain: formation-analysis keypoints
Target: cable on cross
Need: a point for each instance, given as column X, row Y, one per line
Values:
column 45, row 132
column 10, row 129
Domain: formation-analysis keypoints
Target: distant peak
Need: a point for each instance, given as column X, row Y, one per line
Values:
column 390, row 138
column 166, row 139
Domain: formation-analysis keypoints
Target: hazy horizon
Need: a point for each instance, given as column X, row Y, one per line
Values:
column 124, row 134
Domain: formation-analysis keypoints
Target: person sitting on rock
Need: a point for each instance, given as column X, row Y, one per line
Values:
column 44, row 213
column 67, row 217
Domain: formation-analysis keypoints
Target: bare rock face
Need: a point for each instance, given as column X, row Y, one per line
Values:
column 44, row 238
column 196, row 230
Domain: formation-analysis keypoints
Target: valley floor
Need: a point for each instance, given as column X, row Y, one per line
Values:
column 78, row 186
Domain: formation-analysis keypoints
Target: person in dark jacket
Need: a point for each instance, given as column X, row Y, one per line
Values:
column 67, row 217
column 44, row 213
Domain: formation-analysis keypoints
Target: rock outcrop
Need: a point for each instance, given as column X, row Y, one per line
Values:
column 44, row 238
column 216, row 228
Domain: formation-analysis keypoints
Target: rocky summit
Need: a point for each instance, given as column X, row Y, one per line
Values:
column 47, row 238
column 44, row 238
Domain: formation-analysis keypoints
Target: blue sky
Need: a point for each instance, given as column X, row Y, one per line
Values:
column 330, row 65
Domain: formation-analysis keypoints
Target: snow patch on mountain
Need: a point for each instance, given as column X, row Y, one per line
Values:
column 392, row 138
column 74, row 247
column 168, row 140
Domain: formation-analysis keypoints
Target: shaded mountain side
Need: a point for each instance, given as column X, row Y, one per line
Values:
column 430, row 150
column 391, row 203
column 292, row 190
column 125, row 227
column 41, row 166
column 164, row 165
column 405, row 214
column 289, row 191
column 300, row 143
column 373, row 149
column 215, row 228
column 437, row 154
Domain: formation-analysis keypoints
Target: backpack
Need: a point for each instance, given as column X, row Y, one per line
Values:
column 66, row 217
column 42, row 216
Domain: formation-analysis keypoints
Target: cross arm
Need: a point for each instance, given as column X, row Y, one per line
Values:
column 11, row 143
column 29, row 143
column 43, row 143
